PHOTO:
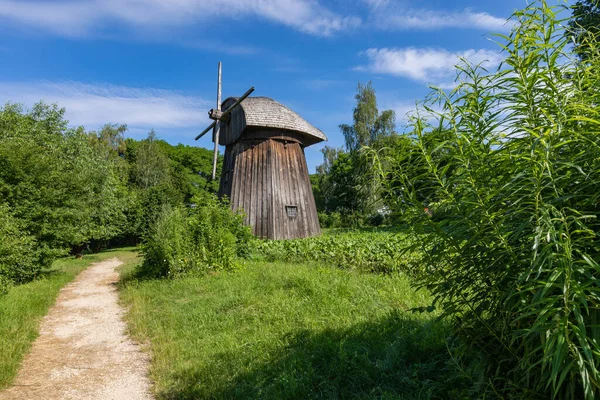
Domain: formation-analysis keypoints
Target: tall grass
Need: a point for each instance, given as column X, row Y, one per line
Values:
column 512, row 249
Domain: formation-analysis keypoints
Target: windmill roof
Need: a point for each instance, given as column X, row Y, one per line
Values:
column 266, row 112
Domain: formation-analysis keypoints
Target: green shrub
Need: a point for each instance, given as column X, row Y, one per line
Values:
column 335, row 219
column 324, row 220
column 512, row 249
column 330, row 220
column 195, row 240
column 168, row 250
column 19, row 259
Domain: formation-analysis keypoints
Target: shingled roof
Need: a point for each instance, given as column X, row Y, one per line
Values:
column 263, row 112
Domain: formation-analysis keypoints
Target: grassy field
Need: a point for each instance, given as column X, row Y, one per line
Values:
column 22, row 309
column 289, row 331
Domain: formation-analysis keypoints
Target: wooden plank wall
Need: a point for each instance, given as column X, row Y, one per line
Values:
column 262, row 177
column 231, row 131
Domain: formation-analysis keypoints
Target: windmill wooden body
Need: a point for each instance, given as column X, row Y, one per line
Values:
column 264, row 169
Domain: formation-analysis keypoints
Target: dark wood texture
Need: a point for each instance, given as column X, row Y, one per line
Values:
column 265, row 171
column 233, row 128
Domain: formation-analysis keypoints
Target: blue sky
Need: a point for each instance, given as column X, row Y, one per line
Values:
column 152, row 63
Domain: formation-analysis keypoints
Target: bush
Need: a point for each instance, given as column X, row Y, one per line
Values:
column 324, row 220
column 512, row 249
column 330, row 220
column 19, row 259
column 195, row 240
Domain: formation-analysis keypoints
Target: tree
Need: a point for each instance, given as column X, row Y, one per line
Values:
column 58, row 181
column 321, row 182
column 345, row 181
column 368, row 124
column 584, row 25
column 112, row 138
column 151, row 166
column 369, row 127
column 330, row 155
column 344, row 193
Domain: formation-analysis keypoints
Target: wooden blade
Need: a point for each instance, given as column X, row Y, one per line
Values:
column 237, row 103
column 211, row 126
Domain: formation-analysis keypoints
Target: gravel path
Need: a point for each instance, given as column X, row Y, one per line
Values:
column 82, row 351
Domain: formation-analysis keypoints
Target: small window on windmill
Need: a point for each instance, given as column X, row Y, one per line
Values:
column 291, row 211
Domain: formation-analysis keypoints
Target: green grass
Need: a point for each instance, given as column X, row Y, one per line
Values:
column 289, row 331
column 22, row 309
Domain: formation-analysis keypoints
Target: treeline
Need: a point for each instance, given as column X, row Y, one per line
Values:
column 66, row 190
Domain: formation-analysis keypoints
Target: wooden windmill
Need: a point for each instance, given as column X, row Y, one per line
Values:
column 264, row 169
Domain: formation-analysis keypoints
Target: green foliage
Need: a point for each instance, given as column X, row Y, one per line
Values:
column 163, row 175
column 330, row 220
column 208, row 237
column 368, row 252
column 19, row 261
column 584, row 27
column 169, row 248
column 369, row 124
column 348, row 187
column 344, row 182
column 55, row 180
column 68, row 190
column 511, row 251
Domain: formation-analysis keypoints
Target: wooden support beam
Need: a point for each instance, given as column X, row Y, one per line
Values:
column 217, row 126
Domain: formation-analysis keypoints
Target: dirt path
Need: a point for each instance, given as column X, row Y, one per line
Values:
column 82, row 351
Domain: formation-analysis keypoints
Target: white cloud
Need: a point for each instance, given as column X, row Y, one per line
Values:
column 78, row 18
column 220, row 47
column 427, row 65
column 391, row 15
column 95, row 105
column 65, row 18
column 433, row 20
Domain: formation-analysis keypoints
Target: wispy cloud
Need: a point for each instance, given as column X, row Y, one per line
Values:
column 428, row 65
column 433, row 20
column 220, row 47
column 64, row 18
column 393, row 15
column 95, row 105
column 84, row 17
